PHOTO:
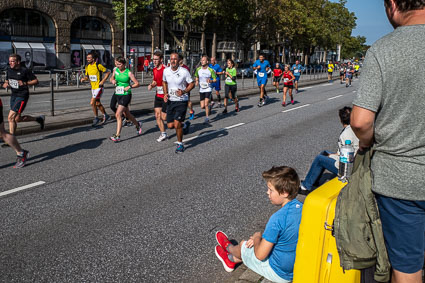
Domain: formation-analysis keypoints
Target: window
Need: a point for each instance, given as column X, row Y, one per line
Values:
column 25, row 22
column 90, row 28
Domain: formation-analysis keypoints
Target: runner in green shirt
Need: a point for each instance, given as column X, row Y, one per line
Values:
column 230, row 85
column 121, row 78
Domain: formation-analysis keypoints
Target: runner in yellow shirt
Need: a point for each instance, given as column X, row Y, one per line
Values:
column 97, row 74
column 331, row 68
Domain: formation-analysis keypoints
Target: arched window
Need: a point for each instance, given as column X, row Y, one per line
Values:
column 90, row 28
column 26, row 22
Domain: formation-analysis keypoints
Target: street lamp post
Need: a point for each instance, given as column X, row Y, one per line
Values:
column 125, row 28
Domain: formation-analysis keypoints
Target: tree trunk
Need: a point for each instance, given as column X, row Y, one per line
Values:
column 214, row 45
column 184, row 42
column 153, row 42
column 324, row 56
column 203, row 41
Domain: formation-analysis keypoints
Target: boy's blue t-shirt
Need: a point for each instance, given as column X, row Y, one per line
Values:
column 263, row 65
column 217, row 69
column 282, row 230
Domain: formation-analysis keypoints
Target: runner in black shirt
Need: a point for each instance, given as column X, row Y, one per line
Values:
column 18, row 78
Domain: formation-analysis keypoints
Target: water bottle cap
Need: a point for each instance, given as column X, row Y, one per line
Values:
column 347, row 142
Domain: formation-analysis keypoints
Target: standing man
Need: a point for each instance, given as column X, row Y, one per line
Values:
column 160, row 106
column 146, row 65
column 297, row 69
column 18, row 78
column 262, row 66
column 331, row 68
column 21, row 154
column 204, row 76
column 216, row 85
column 95, row 73
column 349, row 71
column 392, row 122
column 177, row 83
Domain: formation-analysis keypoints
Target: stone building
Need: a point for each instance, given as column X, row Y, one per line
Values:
column 58, row 33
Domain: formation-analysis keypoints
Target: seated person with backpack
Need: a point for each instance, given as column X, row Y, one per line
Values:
column 329, row 160
column 271, row 254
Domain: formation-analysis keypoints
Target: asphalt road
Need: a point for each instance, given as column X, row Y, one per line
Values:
column 137, row 212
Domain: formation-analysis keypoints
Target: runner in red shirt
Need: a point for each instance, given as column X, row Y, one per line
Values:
column 288, row 83
column 277, row 75
column 160, row 106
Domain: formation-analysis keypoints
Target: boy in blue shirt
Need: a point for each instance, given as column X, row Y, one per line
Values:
column 261, row 67
column 297, row 69
column 271, row 254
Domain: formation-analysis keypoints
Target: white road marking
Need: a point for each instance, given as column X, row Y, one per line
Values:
column 354, row 90
column 22, row 188
column 302, row 106
column 325, row 84
column 213, row 132
column 308, row 87
column 330, row 98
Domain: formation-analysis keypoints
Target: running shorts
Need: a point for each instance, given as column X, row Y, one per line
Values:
column 289, row 86
column 160, row 103
column 204, row 95
column 123, row 100
column 330, row 73
column 97, row 93
column 297, row 78
column 176, row 111
column 276, row 79
column 403, row 224
column 232, row 89
column 18, row 104
column 216, row 85
column 262, row 80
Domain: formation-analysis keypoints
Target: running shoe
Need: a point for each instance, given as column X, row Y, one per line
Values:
column 180, row 148
column 95, row 122
column 41, row 120
column 128, row 123
column 139, row 128
column 115, row 138
column 21, row 159
column 192, row 115
column 283, row 104
column 162, row 137
column 224, row 111
column 263, row 102
column 106, row 118
column 124, row 122
column 223, row 256
column 206, row 121
column 222, row 239
column 237, row 108
column 292, row 102
column 186, row 127
column 220, row 105
column 346, row 85
column 212, row 105
column 260, row 103
column 296, row 91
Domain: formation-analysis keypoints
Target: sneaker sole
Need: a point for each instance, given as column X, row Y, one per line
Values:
column 228, row 269
column 217, row 239
column 25, row 163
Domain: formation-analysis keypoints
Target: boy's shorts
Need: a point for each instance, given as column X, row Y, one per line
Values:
column 261, row 267
column 262, row 80
column 176, row 111
column 297, row 78
column 403, row 223
column 18, row 104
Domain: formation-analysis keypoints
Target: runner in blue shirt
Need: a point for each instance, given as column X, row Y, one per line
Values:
column 218, row 71
column 297, row 69
column 262, row 67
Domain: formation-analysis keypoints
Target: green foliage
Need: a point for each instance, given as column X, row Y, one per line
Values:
column 353, row 47
column 137, row 12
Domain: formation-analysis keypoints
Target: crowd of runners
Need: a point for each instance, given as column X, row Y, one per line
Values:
column 172, row 84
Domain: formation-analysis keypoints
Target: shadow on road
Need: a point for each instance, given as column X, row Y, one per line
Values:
column 205, row 137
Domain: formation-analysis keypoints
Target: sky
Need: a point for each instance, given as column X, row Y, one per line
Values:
column 372, row 21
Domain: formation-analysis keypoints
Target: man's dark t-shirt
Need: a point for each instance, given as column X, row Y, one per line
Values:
column 22, row 74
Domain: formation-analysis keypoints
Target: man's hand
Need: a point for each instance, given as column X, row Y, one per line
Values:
column 180, row 92
column 20, row 83
column 5, row 85
column 165, row 98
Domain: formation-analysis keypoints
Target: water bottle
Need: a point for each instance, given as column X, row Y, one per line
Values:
column 346, row 159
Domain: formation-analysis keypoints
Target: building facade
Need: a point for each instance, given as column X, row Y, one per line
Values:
column 59, row 33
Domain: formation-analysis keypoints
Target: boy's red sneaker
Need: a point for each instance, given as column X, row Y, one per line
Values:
column 222, row 239
column 223, row 256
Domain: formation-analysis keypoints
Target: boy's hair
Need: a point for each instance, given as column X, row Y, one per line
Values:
column 16, row 56
column 159, row 54
column 284, row 179
column 344, row 115
column 93, row 54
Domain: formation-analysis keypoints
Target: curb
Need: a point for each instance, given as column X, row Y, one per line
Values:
column 136, row 110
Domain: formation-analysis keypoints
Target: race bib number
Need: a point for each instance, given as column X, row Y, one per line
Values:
column 172, row 92
column 119, row 90
column 204, row 85
column 159, row 90
column 261, row 75
column 285, row 80
column 229, row 80
column 14, row 84
column 93, row 78
column 296, row 71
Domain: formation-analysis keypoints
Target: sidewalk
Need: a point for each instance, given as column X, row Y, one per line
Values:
column 84, row 116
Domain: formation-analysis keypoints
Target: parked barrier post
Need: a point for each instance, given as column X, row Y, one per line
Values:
column 78, row 79
column 57, row 80
column 243, row 81
column 67, row 78
column 52, row 94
